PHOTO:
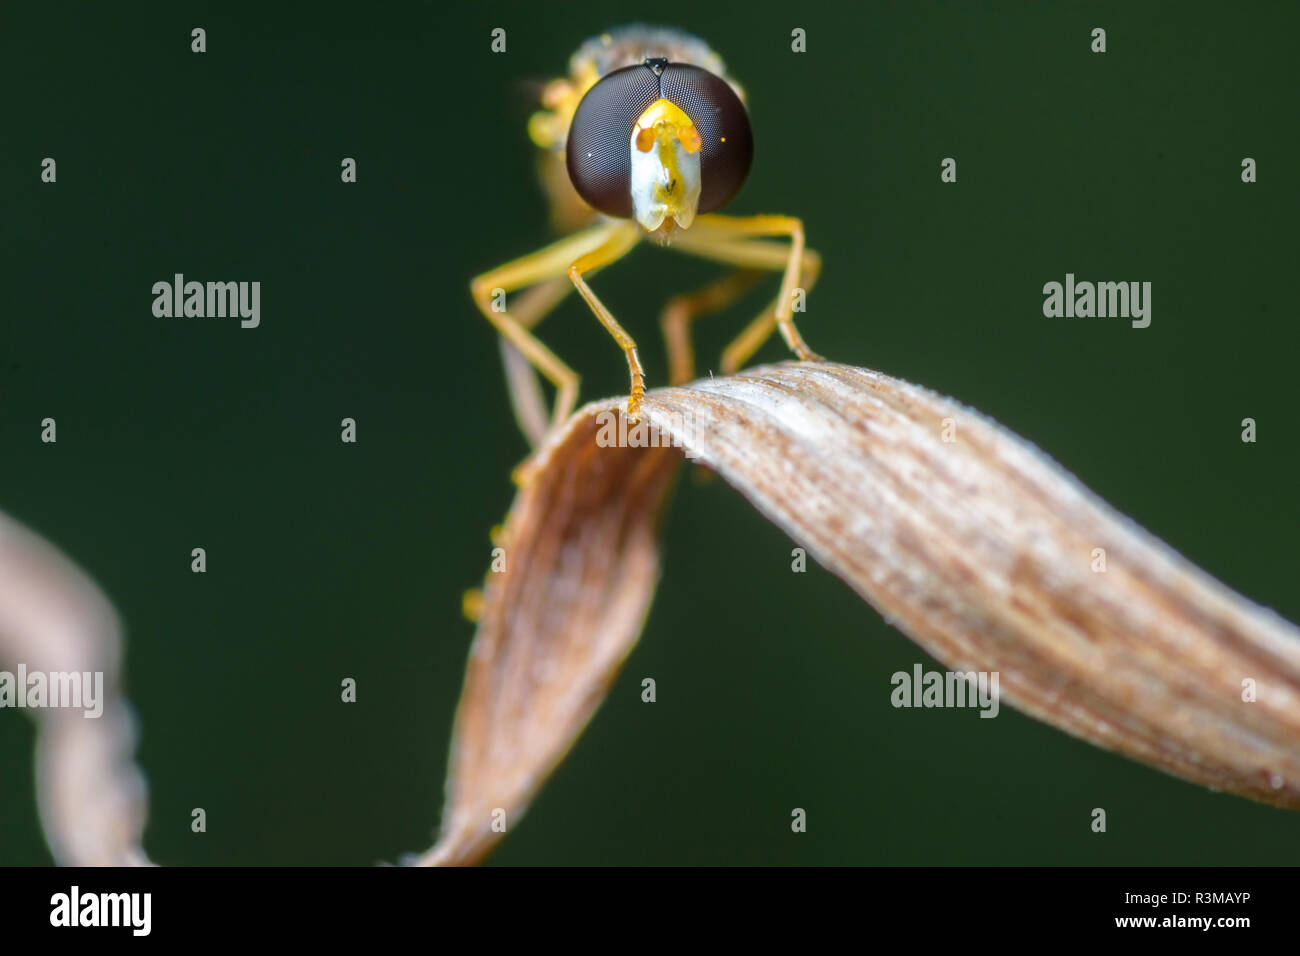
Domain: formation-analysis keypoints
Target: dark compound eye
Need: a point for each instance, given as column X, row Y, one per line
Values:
column 599, row 155
column 727, row 143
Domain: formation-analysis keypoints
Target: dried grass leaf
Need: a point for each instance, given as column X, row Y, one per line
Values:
column 53, row 618
column 980, row 549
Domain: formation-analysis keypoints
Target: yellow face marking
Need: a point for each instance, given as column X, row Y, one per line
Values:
column 668, row 120
column 665, row 179
column 662, row 123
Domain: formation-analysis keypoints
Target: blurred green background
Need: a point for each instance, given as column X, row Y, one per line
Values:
column 328, row 560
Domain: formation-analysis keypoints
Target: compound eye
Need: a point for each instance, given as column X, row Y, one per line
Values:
column 726, row 140
column 598, row 155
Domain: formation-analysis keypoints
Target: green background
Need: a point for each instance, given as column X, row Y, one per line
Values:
column 328, row 560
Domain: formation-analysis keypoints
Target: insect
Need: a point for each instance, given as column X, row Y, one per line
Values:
column 646, row 138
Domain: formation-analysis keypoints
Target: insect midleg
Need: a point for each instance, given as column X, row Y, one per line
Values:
column 727, row 239
column 680, row 311
column 751, row 339
column 521, row 378
column 620, row 242
column 528, row 270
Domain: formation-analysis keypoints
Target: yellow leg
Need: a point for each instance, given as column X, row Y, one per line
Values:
column 682, row 310
column 619, row 243
column 544, row 264
column 736, row 355
column 521, row 378
column 727, row 239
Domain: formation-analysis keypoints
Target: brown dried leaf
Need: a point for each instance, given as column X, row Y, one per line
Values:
column 980, row 549
column 53, row 618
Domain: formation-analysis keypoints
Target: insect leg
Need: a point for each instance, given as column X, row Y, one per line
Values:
column 727, row 239
column 619, row 243
column 681, row 310
column 521, row 378
column 547, row 263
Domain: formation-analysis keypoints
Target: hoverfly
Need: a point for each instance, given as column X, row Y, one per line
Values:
column 644, row 139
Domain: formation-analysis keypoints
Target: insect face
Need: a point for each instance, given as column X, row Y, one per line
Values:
column 659, row 142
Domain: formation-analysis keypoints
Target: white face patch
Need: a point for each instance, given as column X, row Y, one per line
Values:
column 665, row 182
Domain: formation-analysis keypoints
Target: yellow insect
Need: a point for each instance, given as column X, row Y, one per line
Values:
column 644, row 139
